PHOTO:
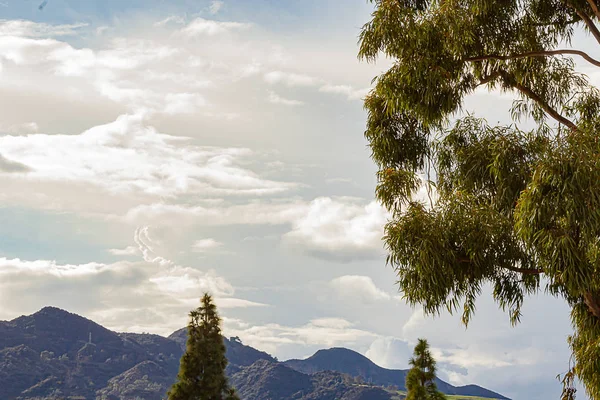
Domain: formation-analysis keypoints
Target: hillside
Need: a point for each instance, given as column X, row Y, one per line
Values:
column 354, row 364
column 54, row 354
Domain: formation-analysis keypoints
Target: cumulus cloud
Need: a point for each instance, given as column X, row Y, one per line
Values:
column 321, row 332
column 204, row 245
column 358, row 288
column 113, row 293
column 127, row 157
column 127, row 251
column 340, row 229
column 219, row 214
column 11, row 166
column 277, row 99
column 390, row 352
column 290, row 79
column 23, row 128
column 230, row 302
column 37, row 29
column 346, row 90
column 175, row 19
column 205, row 27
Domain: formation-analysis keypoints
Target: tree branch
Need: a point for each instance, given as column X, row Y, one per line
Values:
column 592, row 301
column 594, row 6
column 489, row 78
column 543, row 53
column 541, row 102
column 526, row 271
column 588, row 22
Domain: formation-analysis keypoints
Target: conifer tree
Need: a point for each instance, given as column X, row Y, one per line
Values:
column 420, row 380
column 202, row 369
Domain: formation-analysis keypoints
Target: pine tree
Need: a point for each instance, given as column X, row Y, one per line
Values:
column 202, row 369
column 420, row 380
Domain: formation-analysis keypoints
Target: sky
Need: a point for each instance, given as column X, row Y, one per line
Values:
column 153, row 150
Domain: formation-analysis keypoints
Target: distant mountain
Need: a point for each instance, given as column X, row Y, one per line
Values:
column 50, row 354
column 355, row 364
column 54, row 354
column 275, row 381
column 237, row 354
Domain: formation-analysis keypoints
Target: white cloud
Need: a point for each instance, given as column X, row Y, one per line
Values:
column 185, row 282
column 254, row 213
column 184, row 103
column 346, row 90
column 390, row 352
column 11, row 166
column 127, row 251
column 216, row 6
column 172, row 19
column 126, row 157
column 358, row 288
column 113, row 292
column 205, row 27
column 204, row 245
column 223, row 302
column 20, row 128
column 290, row 79
column 340, row 229
column 36, row 29
column 276, row 99
column 414, row 322
column 321, row 332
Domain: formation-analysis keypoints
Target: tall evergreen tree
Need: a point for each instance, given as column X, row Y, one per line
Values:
column 202, row 369
column 512, row 209
column 420, row 379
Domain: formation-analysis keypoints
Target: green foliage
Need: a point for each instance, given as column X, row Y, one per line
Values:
column 515, row 210
column 420, row 379
column 202, row 369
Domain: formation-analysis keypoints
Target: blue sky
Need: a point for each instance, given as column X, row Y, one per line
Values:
column 151, row 150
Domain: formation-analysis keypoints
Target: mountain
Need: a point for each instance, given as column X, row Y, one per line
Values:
column 238, row 354
column 355, row 364
column 54, row 354
column 275, row 381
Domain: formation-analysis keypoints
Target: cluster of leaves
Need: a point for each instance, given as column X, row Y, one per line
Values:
column 517, row 210
column 202, row 369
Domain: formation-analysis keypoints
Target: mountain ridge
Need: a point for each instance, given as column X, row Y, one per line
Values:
column 50, row 355
column 350, row 362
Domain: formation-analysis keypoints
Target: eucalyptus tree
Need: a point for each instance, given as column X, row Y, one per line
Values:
column 202, row 368
column 510, row 208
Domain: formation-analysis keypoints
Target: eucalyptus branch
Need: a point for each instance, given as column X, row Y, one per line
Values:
column 592, row 301
column 544, row 53
column 594, row 6
column 588, row 22
column 569, row 22
column 524, row 271
column 539, row 100
column 489, row 78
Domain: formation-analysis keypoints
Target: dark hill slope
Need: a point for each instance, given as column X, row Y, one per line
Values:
column 237, row 353
column 354, row 364
column 275, row 381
